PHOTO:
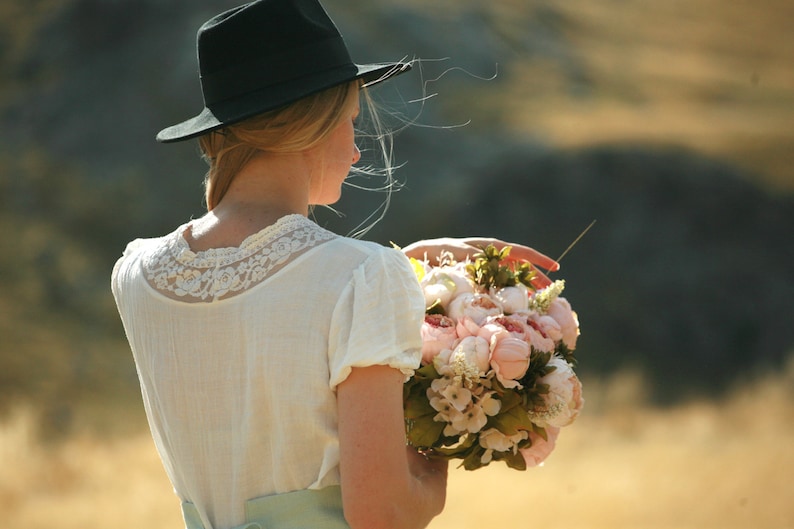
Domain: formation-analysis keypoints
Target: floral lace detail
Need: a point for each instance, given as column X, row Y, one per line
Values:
column 176, row 271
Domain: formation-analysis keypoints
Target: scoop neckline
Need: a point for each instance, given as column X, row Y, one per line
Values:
column 250, row 243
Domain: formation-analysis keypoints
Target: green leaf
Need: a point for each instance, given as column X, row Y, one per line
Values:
column 509, row 399
column 473, row 460
column 436, row 308
column 418, row 407
column 512, row 421
column 515, row 461
column 540, row 431
column 426, row 372
column 424, row 433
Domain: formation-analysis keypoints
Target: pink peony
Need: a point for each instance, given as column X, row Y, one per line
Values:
column 564, row 400
column 549, row 327
column 541, row 448
column 458, row 274
column 468, row 327
column 515, row 325
column 561, row 311
column 478, row 307
column 509, row 358
column 512, row 299
column 438, row 333
column 444, row 283
column 537, row 336
column 473, row 351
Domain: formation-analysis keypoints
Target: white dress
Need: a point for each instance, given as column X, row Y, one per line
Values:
column 239, row 352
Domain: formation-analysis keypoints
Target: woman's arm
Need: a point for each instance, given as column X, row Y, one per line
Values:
column 462, row 248
column 385, row 484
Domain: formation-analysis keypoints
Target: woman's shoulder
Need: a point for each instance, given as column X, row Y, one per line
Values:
column 136, row 249
column 138, row 246
column 368, row 265
column 366, row 252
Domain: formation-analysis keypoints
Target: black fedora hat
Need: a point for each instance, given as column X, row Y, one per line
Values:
column 267, row 54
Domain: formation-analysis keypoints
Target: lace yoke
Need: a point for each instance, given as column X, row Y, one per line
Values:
column 177, row 272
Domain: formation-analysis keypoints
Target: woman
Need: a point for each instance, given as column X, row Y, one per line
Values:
column 271, row 352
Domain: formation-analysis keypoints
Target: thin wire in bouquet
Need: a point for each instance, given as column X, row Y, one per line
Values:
column 497, row 380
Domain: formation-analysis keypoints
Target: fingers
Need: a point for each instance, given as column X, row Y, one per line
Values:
column 540, row 280
column 460, row 249
column 524, row 253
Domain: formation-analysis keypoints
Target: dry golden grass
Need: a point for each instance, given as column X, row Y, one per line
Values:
column 699, row 466
column 622, row 465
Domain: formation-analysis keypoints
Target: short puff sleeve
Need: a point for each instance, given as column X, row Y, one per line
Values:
column 378, row 318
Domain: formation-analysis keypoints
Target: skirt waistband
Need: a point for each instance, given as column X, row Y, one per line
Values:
column 302, row 509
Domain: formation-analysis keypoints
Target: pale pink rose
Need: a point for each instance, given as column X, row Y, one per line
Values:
column 564, row 400
column 561, row 311
column 437, row 288
column 509, row 358
column 492, row 331
column 541, row 448
column 443, row 283
column 512, row 299
column 438, row 333
column 515, row 325
column 458, row 274
column 473, row 351
column 476, row 306
column 468, row 327
column 549, row 327
column 537, row 337
column 496, row 333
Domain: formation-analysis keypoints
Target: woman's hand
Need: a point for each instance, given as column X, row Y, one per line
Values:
column 428, row 468
column 460, row 249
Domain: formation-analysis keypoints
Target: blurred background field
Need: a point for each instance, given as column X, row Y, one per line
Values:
column 623, row 465
column 669, row 123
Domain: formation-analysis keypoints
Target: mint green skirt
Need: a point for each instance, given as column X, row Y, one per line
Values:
column 303, row 509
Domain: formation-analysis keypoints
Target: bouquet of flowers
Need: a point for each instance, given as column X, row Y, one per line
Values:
column 496, row 381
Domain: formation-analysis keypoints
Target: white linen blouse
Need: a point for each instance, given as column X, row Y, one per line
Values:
column 239, row 352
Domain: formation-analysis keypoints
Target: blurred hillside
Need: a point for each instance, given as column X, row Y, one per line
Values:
column 669, row 123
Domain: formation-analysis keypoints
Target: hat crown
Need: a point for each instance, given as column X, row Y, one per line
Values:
column 260, row 30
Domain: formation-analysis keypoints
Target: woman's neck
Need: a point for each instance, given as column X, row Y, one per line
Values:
column 266, row 189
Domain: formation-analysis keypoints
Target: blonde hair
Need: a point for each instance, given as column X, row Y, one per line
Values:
column 290, row 129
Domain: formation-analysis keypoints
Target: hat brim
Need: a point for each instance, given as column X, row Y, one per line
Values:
column 270, row 98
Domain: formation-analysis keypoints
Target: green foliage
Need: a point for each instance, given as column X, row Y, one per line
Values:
column 425, row 433
column 532, row 395
column 422, row 431
column 492, row 268
column 565, row 353
column 513, row 417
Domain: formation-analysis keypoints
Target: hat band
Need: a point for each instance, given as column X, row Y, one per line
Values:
column 244, row 78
